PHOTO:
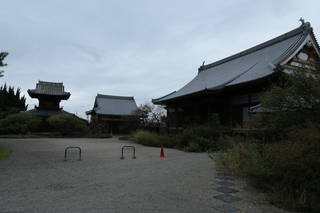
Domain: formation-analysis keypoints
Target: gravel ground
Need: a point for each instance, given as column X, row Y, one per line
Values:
column 37, row 179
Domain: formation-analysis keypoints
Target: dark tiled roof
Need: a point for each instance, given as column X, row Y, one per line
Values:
column 114, row 105
column 299, row 30
column 249, row 65
column 49, row 88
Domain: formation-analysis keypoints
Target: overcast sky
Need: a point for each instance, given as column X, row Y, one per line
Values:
column 144, row 49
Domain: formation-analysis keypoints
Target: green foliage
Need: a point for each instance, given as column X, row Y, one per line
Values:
column 20, row 136
column 293, row 101
column 124, row 138
column 10, row 101
column 2, row 64
column 242, row 159
column 195, row 146
column 67, row 124
column 189, row 142
column 19, row 124
column 151, row 139
column 206, row 138
column 287, row 171
column 4, row 153
column 150, row 116
column 101, row 135
column 200, row 138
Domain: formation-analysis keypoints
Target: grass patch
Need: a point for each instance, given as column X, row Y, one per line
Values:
column 4, row 153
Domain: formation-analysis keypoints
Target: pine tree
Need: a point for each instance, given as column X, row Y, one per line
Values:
column 2, row 64
column 11, row 101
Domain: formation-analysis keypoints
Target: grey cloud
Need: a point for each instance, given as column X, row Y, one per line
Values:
column 144, row 48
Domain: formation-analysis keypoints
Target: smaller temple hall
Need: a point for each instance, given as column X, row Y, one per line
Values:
column 49, row 95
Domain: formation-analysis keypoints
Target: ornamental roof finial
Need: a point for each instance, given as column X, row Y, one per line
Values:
column 302, row 21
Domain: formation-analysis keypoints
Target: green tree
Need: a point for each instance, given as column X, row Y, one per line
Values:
column 20, row 123
column 293, row 101
column 67, row 124
column 150, row 115
column 2, row 64
column 11, row 101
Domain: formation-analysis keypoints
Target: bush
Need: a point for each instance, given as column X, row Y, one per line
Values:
column 19, row 124
column 101, row 135
column 67, row 124
column 151, row 139
column 195, row 139
column 242, row 159
column 201, row 138
column 198, row 138
column 287, row 171
column 124, row 138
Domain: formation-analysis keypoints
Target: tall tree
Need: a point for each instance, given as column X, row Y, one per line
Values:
column 11, row 101
column 150, row 115
column 293, row 101
column 2, row 64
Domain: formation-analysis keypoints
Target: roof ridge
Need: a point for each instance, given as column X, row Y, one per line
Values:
column 49, row 82
column 306, row 27
column 115, row 97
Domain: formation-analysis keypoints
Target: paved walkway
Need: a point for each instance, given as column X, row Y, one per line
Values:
column 37, row 179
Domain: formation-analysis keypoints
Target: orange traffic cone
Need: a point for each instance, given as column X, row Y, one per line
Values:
column 162, row 153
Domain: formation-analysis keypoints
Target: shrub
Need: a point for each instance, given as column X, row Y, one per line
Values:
column 67, row 124
column 151, row 139
column 287, row 171
column 194, row 147
column 19, row 124
column 201, row 138
column 124, row 138
column 221, row 143
column 242, row 159
column 195, row 139
column 101, row 135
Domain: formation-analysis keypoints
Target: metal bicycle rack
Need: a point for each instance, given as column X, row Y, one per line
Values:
column 131, row 147
column 71, row 147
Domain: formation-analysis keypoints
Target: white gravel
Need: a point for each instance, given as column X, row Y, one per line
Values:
column 37, row 179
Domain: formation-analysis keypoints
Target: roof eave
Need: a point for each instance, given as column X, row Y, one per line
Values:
column 201, row 92
column 34, row 94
